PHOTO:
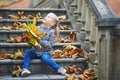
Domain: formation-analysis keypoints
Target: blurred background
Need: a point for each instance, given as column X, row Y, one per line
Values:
column 31, row 3
column 14, row 3
column 114, row 4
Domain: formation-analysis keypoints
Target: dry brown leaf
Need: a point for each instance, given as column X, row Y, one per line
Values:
column 16, row 72
column 70, row 77
column 4, row 55
column 65, row 27
column 63, row 17
column 18, row 55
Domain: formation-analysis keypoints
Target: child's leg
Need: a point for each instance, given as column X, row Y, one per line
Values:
column 48, row 60
column 29, row 54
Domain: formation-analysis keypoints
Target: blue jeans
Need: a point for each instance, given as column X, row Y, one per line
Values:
column 45, row 57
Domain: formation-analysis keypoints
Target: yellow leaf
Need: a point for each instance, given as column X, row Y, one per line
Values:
column 33, row 33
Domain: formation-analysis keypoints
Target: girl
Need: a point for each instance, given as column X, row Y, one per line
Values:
column 50, row 27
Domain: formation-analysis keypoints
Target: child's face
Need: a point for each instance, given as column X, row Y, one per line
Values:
column 48, row 20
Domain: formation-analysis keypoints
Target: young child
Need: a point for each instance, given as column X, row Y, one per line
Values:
column 51, row 28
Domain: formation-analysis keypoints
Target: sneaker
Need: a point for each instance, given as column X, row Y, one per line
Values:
column 61, row 70
column 25, row 72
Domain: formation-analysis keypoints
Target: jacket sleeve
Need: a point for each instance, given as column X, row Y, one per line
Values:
column 49, row 41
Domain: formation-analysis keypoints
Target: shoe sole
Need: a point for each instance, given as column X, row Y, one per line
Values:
column 25, row 74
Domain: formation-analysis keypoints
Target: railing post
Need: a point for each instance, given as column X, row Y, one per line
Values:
column 93, row 54
column 108, row 53
column 103, row 53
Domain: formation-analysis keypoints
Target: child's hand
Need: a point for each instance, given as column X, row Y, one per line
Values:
column 38, row 48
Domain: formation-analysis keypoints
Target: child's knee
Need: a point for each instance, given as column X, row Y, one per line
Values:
column 45, row 57
column 28, row 52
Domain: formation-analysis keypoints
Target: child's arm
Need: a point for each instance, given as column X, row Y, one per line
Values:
column 49, row 42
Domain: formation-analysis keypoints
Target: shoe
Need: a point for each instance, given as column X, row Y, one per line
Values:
column 25, row 72
column 62, row 71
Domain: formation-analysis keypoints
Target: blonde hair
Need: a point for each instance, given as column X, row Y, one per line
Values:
column 55, row 26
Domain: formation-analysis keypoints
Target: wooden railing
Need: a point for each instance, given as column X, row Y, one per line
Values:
column 98, row 31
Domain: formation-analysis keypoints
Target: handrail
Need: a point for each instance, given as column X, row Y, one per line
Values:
column 104, row 14
column 101, row 9
column 108, row 22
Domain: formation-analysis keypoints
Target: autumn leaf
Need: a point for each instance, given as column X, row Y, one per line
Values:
column 33, row 34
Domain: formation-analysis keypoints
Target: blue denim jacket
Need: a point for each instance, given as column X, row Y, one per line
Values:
column 48, row 40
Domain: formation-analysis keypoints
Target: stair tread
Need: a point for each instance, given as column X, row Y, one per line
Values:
column 25, row 44
column 29, row 20
column 73, row 43
column 7, row 61
column 32, row 9
column 20, row 31
column 35, row 77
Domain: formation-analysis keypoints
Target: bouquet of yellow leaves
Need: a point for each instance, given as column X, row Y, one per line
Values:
column 33, row 34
